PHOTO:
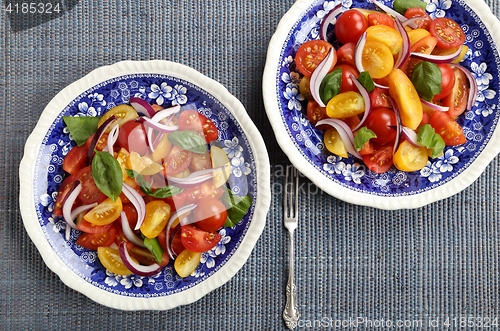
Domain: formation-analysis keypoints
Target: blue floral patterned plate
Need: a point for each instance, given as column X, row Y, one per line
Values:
column 350, row 180
column 41, row 173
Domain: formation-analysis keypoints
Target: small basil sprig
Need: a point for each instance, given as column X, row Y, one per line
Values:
column 107, row 174
column 427, row 79
column 428, row 137
column 237, row 207
column 189, row 140
column 362, row 136
column 154, row 247
column 160, row 193
column 366, row 80
column 330, row 85
column 81, row 127
column 401, row 6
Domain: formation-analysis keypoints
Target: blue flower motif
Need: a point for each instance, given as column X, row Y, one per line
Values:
column 437, row 8
column 294, row 97
column 160, row 93
column 292, row 79
column 178, row 95
column 485, row 109
column 97, row 98
column 331, row 166
column 48, row 200
column 484, row 93
column 232, row 148
column 482, row 77
column 446, row 162
column 287, row 61
column 327, row 7
column 86, row 110
column 208, row 258
column 353, row 172
column 132, row 280
column 431, row 172
column 111, row 279
column 240, row 167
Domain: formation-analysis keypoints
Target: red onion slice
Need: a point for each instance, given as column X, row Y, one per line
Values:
column 404, row 52
column 179, row 212
column 433, row 106
column 97, row 135
column 319, row 73
column 358, row 52
column 366, row 97
column 394, row 14
column 381, row 86
column 159, row 126
column 345, row 134
column 128, row 232
column 68, row 203
column 330, row 18
column 164, row 113
column 136, row 268
column 437, row 58
column 142, row 107
column 112, row 138
column 398, row 124
column 80, row 209
column 411, row 136
column 138, row 202
column 194, row 179
column 473, row 88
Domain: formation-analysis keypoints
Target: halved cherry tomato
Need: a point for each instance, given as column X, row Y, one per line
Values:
column 157, row 216
column 76, row 159
column 447, row 80
column 304, row 88
column 383, row 34
column 345, row 105
column 346, row 83
column 333, row 143
column 123, row 114
column 111, row 260
column 133, row 137
column 176, row 201
column 192, row 120
column 100, row 144
column 210, row 215
column 380, row 19
column 409, row 157
column 64, row 189
column 315, row 112
column 350, row 26
column 187, row 262
column 381, row 159
column 145, row 257
column 105, row 212
column 382, row 121
column 380, row 98
column 377, row 59
column 367, row 148
column 87, row 227
column 310, row 54
column 90, row 192
column 203, row 191
column 131, row 213
column 197, row 240
column 345, row 54
column 425, row 46
column 200, row 161
column 176, row 243
column 93, row 241
column 456, row 100
column 405, row 95
column 419, row 12
column 448, row 33
column 451, row 132
column 177, row 161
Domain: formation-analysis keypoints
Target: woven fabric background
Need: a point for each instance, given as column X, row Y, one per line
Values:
column 436, row 262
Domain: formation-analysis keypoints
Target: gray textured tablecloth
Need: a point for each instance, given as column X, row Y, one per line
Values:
column 436, row 262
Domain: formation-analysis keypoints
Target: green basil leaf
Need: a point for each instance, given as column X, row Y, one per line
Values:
column 188, row 140
column 367, row 81
column 401, row 6
column 362, row 136
column 81, row 127
column 330, row 85
column 237, row 207
column 154, row 247
column 428, row 137
column 427, row 79
column 162, row 192
column 107, row 174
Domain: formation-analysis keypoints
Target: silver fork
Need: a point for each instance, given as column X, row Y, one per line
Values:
column 291, row 210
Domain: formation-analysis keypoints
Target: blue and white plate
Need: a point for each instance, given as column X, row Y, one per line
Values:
column 348, row 179
column 41, row 174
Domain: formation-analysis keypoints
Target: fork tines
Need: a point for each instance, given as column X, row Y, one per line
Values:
column 291, row 197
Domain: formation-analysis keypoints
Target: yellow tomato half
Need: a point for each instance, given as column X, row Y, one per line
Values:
column 409, row 157
column 111, row 260
column 157, row 215
column 123, row 114
column 187, row 262
column 377, row 59
column 106, row 212
column 345, row 104
column 334, row 143
column 386, row 35
column 401, row 89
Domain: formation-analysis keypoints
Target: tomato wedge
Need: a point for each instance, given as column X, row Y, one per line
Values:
column 419, row 12
column 192, row 120
column 456, row 100
column 197, row 240
column 177, row 161
column 66, row 186
column 76, row 159
column 310, row 54
column 448, row 33
column 187, row 262
column 157, row 216
column 451, row 132
column 111, row 260
column 93, row 241
column 380, row 161
column 90, row 192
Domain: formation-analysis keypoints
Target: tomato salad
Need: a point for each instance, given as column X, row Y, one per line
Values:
column 391, row 91
column 147, row 185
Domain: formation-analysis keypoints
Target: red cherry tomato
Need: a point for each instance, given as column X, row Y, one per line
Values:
column 380, row 160
column 66, row 186
column 133, row 137
column 90, row 192
column 447, row 32
column 210, row 215
column 380, row 98
column 88, row 227
column 310, row 54
column 315, row 113
column 94, row 240
column 346, row 83
column 177, row 161
column 350, row 26
column 456, row 100
column 76, row 159
column 447, row 80
column 382, row 121
column 451, row 132
column 345, row 54
column 380, row 19
column 197, row 240
column 192, row 120
column 419, row 12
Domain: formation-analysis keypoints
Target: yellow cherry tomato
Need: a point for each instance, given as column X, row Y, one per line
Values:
column 417, row 34
column 187, row 262
column 386, row 35
column 401, row 89
column 409, row 157
column 105, row 212
column 123, row 114
column 111, row 260
column 333, row 143
column 345, row 104
column 377, row 59
column 157, row 215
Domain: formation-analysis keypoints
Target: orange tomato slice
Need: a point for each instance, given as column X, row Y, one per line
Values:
column 377, row 59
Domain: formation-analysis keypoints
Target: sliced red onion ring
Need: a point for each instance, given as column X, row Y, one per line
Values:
column 159, row 126
column 358, row 52
column 366, row 97
column 437, row 58
column 398, row 124
column 345, row 134
column 473, row 88
column 136, row 268
column 112, row 138
column 164, row 113
column 411, row 136
column 68, row 203
column 194, row 179
column 128, row 232
column 433, row 106
column 381, row 86
column 404, row 52
column 138, row 202
column 80, row 209
column 97, row 135
column 142, row 107
column 330, row 18
column 179, row 212
column 394, row 13
column 319, row 73
column 412, row 21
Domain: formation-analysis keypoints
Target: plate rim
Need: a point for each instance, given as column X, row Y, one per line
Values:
column 269, row 91
column 58, row 104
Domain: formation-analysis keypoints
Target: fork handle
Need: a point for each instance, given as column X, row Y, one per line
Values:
column 291, row 312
